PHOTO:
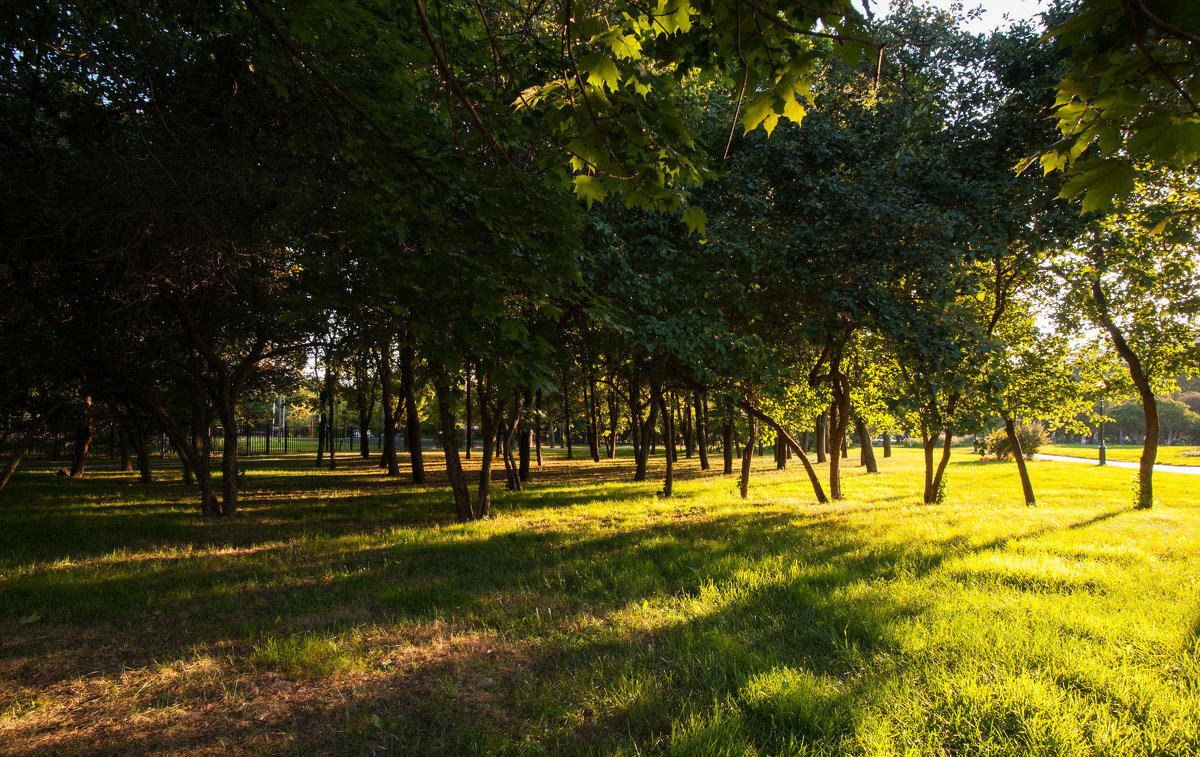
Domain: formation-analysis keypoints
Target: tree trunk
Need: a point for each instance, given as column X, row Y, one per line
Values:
column 412, row 421
column 537, row 434
column 614, row 418
column 229, row 470
column 689, row 436
column 839, row 421
column 83, row 440
column 1010, row 430
column 468, row 420
column 701, row 405
column 646, row 432
column 524, row 443
column 787, row 438
column 887, row 444
column 864, row 439
column 727, row 444
column 332, row 421
column 669, row 443
column 390, row 411
column 593, row 418
column 822, row 435
column 566, row 399
column 747, row 454
column 126, row 449
column 490, row 427
column 15, row 459
column 454, row 470
column 780, row 452
column 1145, row 495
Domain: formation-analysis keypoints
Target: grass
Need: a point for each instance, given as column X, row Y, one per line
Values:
column 346, row 613
column 1127, row 453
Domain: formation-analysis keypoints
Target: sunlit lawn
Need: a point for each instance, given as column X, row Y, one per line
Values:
column 1129, row 453
column 345, row 613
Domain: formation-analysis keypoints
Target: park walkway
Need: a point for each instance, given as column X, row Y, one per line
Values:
column 1158, row 468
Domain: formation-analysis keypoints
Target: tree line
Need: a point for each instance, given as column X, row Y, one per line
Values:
column 802, row 219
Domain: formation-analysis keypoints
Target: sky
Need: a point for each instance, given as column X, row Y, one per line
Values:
column 994, row 11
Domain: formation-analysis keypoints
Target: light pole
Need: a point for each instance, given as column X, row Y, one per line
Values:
column 1103, row 450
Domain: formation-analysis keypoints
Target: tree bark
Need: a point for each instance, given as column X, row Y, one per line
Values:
column 822, row 435
column 727, row 444
column 669, row 443
column 593, row 417
column 83, row 439
column 1145, row 495
column 390, row 412
column 747, row 454
column 1010, row 430
column 787, row 438
column 490, row 420
column 454, row 470
column 614, row 418
column 468, row 419
column 701, row 405
column 537, row 435
column 647, row 433
column 566, row 399
column 868, row 450
column 412, row 420
column 524, row 442
column 887, row 444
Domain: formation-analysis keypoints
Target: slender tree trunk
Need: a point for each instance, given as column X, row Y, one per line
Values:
column 614, row 418
column 887, row 444
column 868, row 451
column 799, row 450
column 412, row 420
column 229, row 469
column 701, row 405
column 537, row 435
column 747, row 454
column 593, row 417
column 1145, row 496
column 822, row 435
column 332, row 421
column 669, row 443
column 468, row 420
column 126, row 449
column 647, row 434
column 524, row 442
column 839, row 421
column 27, row 439
column 390, row 412
column 454, row 470
column 635, row 419
column 566, row 398
column 83, row 439
column 727, row 444
column 689, row 437
column 1010, row 430
column 491, row 421
column 780, row 452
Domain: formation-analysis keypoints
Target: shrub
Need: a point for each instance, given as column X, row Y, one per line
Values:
column 1031, row 434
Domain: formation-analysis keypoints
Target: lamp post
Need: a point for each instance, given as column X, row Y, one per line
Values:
column 1103, row 450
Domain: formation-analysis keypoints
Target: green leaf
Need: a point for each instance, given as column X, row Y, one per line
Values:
column 589, row 189
column 695, row 219
column 1100, row 179
column 601, row 71
column 35, row 617
column 757, row 110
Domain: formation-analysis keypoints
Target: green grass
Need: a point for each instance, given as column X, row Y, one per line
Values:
column 1128, row 453
column 343, row 613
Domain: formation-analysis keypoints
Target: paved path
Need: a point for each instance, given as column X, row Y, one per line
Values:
column 1159, row 468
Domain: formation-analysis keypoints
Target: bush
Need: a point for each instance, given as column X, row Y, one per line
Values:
column 1031, row 434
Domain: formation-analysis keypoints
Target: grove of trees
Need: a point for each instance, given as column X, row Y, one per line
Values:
column 692, row 225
